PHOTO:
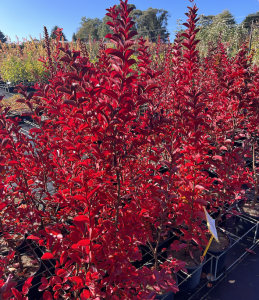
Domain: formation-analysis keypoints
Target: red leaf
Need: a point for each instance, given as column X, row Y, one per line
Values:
column 27, row 285
column 132, row 33
column 62, row 272
column 223, row 148
column 200, row 187
column 200, row 201
column 35, row 130
column 217, row 157
column 33, row 237
column 20, row 100
column 75, row 258
column 110, row 94
column 85, row 295
column 199, row 214
column 17, row 294
column 72, row 76
column 13, row 162
column 250, row 251
column 63, row 89
column 3, row 205
column 70, row 102
column 77, row 280
column 57, row 287
column 79, row 197
column 47, row 295
column 93, row 191
column 115, row 52
column 128, row 53
column 47, row 256
column 81, row 218
column 84, row 242
column 65, row 58
column 63, row 257
column 151, row 86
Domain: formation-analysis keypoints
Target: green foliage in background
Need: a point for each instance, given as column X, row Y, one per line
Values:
column 151, row 22
column 2, row 37
column 249, row 18
column 232, row 34
column 20, row 64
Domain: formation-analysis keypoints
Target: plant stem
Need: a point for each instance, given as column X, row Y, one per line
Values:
column 118, row 199
column 255, row 175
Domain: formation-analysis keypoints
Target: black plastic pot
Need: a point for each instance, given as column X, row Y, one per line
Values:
column 146, row 256
column 243, row 226
column 47, row 267
column 36, row 280
column 50, row 266
column 11, row 89
column 194, row 279
column 219, row 263
column 169, row 295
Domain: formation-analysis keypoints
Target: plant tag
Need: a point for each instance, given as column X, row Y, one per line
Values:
column 211, row 225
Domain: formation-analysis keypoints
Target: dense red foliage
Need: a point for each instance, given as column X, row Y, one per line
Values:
column 109, row 132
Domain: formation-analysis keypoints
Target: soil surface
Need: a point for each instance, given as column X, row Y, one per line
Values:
column 16, row 241
column 252, row 211
column 181, row 255
column 223, row 242
column 30, row 266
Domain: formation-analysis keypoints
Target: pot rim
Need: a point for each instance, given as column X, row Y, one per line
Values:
column 240, row 209
column 225, row 250
column 196, row 267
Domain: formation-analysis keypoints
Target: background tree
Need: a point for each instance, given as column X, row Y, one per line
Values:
column 205, row 21
column 226, row 17
column 53, row 36
column 74, row 37
column 249, row 18
column 152, row 22
column 232, row 34
column 2, row 37
column 90, row 27
column 104, row 29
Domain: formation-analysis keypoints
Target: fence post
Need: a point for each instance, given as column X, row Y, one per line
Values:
column 250, row 39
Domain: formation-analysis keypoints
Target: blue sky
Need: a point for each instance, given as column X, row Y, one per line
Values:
column 27, row 17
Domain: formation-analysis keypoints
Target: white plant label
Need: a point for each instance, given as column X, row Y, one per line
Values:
column 211, row 225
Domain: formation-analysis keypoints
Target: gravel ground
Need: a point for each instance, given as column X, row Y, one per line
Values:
column 6, row 94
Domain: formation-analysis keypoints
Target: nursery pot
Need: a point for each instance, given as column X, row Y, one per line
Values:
column 242, row 225
column 166, row 296
column 148, row 256
column 11, row 89
column 34, row 293
column 21, row 248
column 194, row 280
column 195, row 272
column 36, row 279
column 217, row 263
